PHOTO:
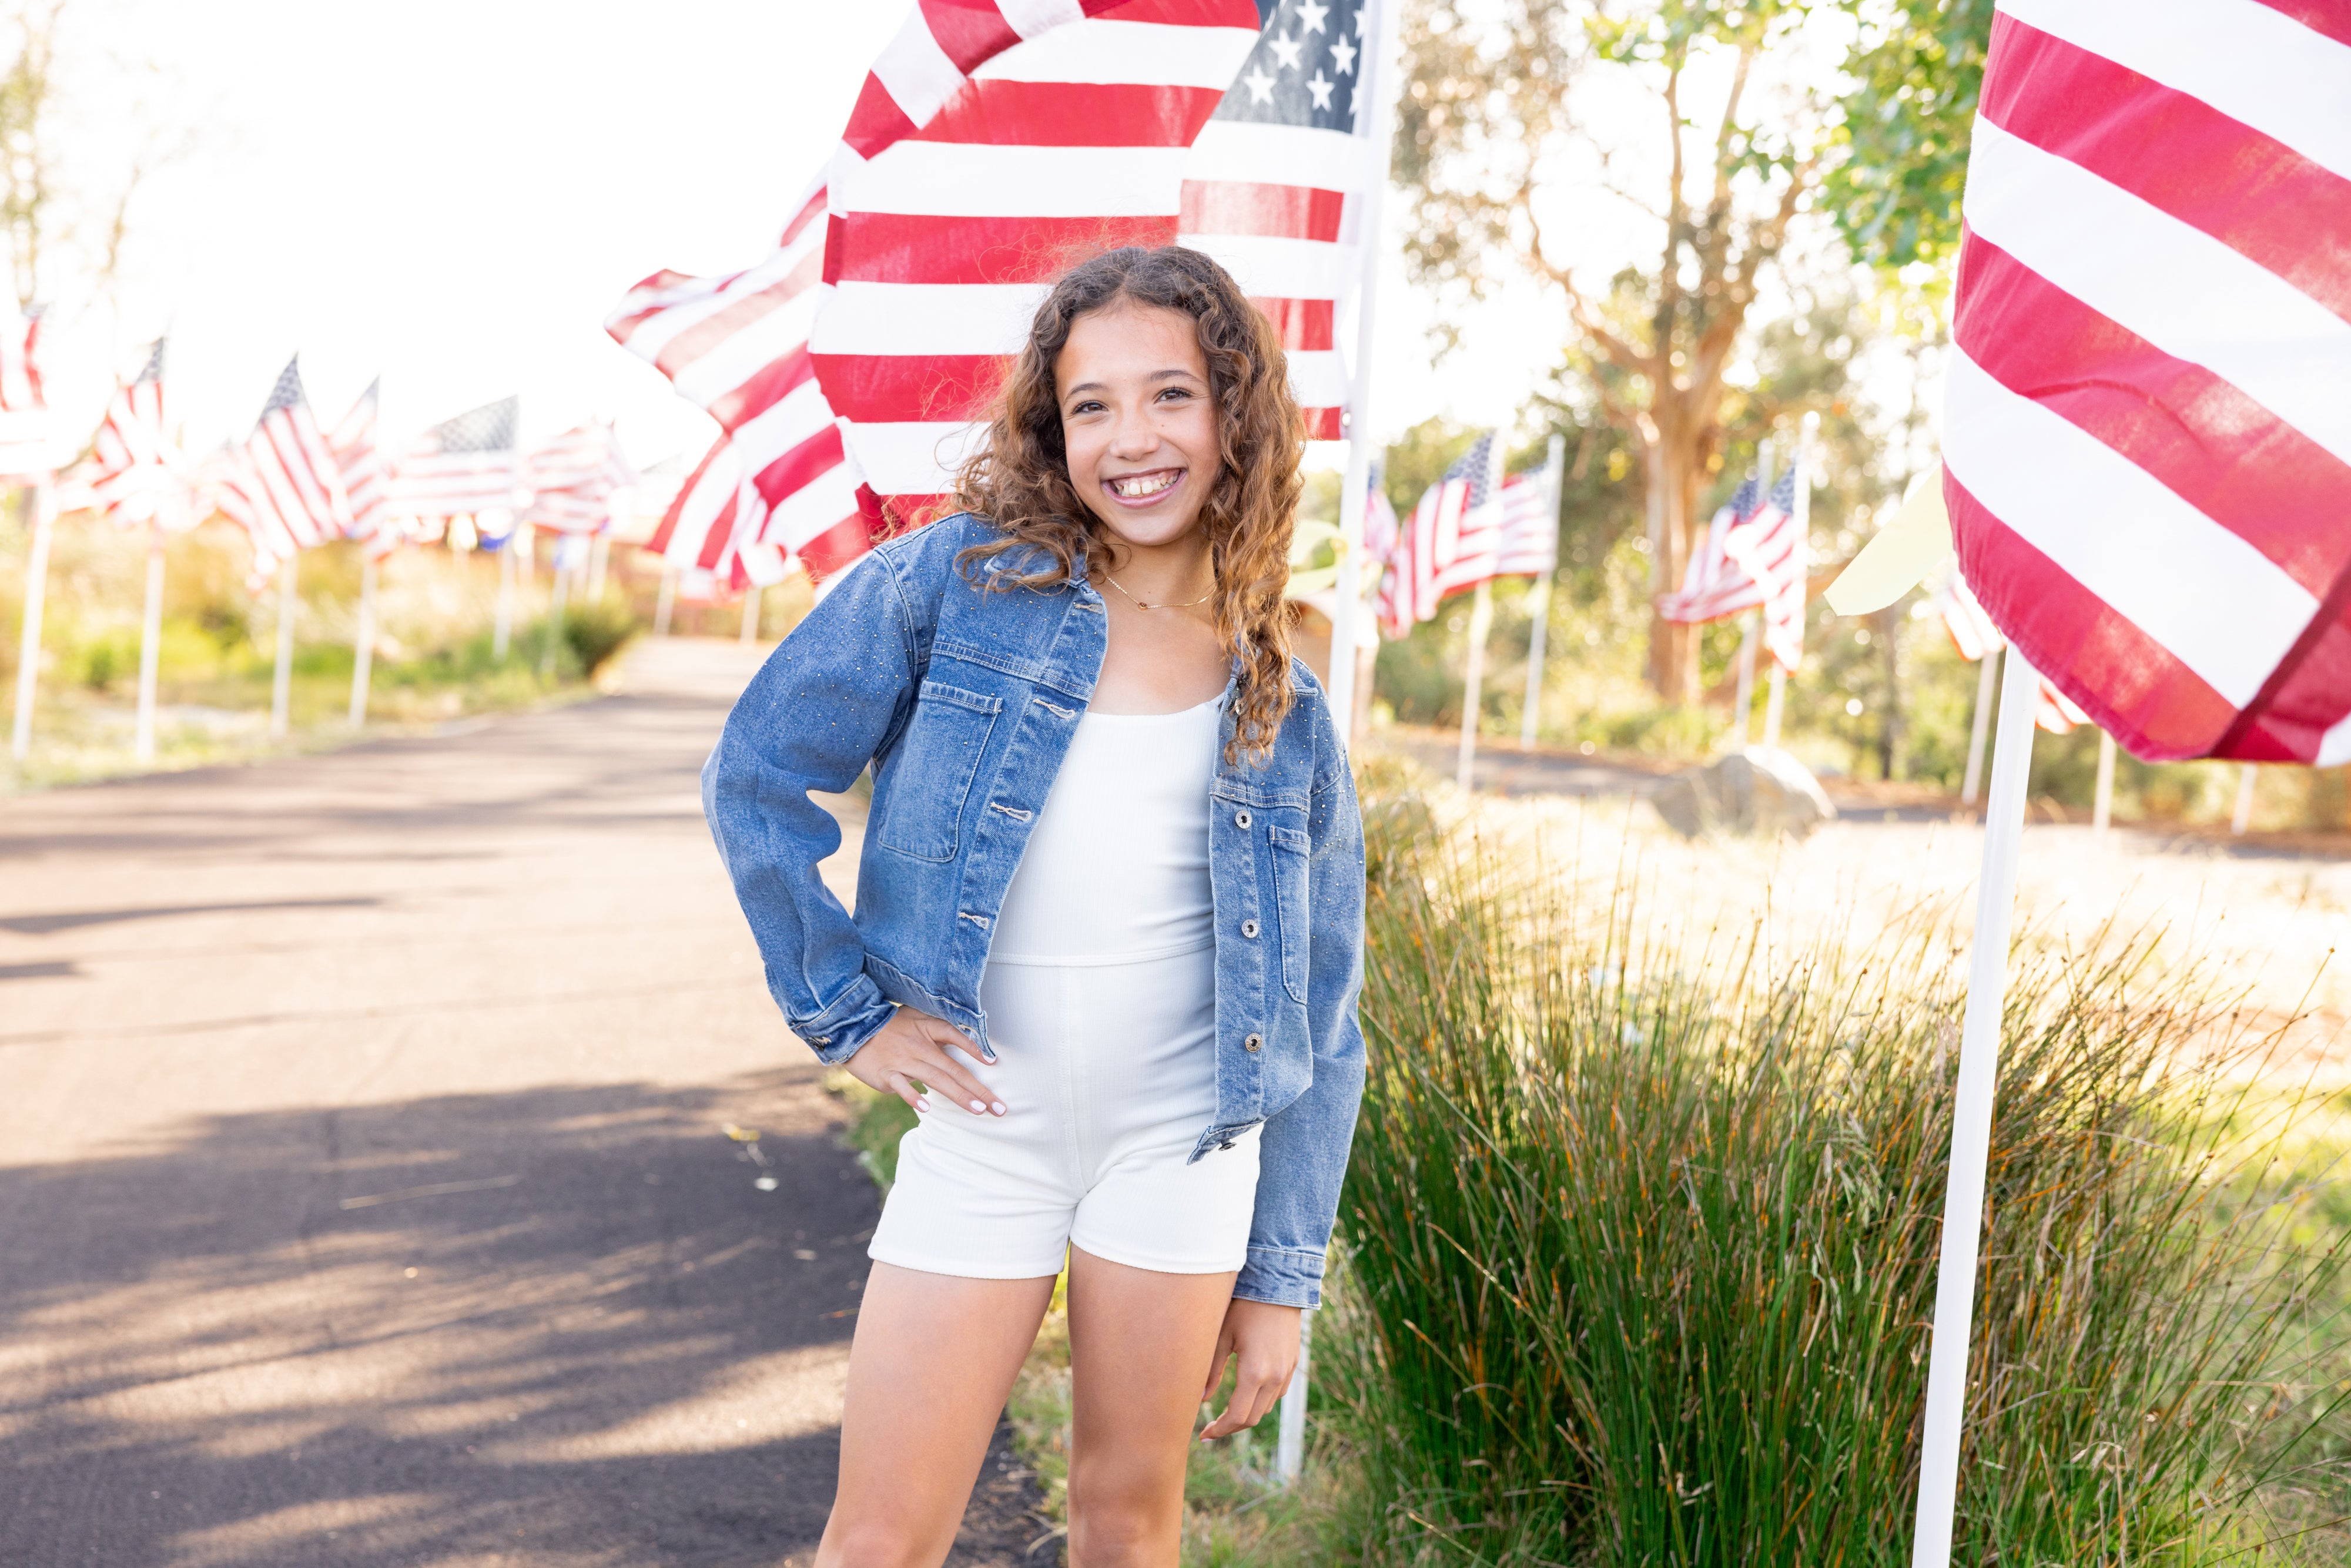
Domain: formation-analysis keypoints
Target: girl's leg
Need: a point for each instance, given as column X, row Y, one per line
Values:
column 928, row 1372
column 1140, row 1344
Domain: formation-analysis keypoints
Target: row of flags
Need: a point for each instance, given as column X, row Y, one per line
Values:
column 1977, row 639
column 292, row 484
column 994, row 142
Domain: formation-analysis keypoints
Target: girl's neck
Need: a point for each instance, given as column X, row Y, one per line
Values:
column 1178, row 572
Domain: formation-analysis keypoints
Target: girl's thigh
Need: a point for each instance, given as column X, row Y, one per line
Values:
column 932, row 1362
column 1140, row 1343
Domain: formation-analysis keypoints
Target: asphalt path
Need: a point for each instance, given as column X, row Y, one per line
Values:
column 367, row 1192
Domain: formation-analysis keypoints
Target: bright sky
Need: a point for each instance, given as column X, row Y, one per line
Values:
column 453, row 194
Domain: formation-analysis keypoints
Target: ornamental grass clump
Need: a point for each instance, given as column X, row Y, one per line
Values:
column 1642, row 1223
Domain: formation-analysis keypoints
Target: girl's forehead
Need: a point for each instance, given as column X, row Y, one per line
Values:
column 1129, row 336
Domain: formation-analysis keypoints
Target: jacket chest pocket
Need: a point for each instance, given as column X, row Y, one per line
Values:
column 1290, row 849
column 937, row 758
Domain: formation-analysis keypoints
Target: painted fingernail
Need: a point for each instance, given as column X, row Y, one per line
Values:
column 989, row 1057
column 923, row 1104
column 977, row 1108
column 997, row 1107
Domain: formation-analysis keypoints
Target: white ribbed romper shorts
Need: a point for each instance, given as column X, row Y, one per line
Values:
column 1100, row 993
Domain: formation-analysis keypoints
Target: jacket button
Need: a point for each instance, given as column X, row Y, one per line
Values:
column 1240, row 819
column 1225, row 1145
column 1254, row 1042
column 1248, row 928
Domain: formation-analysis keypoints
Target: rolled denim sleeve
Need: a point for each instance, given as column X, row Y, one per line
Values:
column 826, row 701
column 1308, row 1141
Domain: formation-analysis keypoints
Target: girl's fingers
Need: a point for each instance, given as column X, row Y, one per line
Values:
column 902, row 1087
column 1216, row 1371
column 945, row 1077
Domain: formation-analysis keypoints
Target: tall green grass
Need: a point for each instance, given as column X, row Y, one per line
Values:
column 1642, row 1220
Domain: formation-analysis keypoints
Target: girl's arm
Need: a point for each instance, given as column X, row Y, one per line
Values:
column 825, row 703
column 1309, row 1140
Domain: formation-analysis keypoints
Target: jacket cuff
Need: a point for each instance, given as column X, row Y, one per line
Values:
column 851, row 1018
column 1281, row 1277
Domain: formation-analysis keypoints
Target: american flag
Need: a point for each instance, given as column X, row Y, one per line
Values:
column 1972, row 632
column 1754, row 556
column 1273, row 186
column 284, row 485
column 994, row 145
column 1453, row 535
column 2147, row 438
column 361, row 459
column 701, row 531
column 1530, row 542
column 737, row 347
column 464, row 466
column 573, row 477
column 24, row 409
column 135, row 473
column 1975, row 636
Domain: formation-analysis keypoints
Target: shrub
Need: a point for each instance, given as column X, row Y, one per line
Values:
column 1643, row 1227
column 598, row 631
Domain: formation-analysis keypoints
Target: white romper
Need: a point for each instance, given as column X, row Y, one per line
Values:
column 1100, row 993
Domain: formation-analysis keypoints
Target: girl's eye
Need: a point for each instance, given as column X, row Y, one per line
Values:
column 1181, row 392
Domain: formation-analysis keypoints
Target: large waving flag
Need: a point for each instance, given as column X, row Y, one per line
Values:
column 1754, row 556
column 2147, row 437
column 284, row 485
column 993, row 146
column 737, row 347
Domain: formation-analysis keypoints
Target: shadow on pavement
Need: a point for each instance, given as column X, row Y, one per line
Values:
column 566, row 1329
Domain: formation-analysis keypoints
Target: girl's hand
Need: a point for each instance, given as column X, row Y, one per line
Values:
column 912, row 1049
column 1264, row 1339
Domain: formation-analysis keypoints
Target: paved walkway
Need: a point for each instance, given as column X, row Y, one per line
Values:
column 365, row 1196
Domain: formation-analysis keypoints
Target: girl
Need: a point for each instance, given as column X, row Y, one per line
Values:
column 1109, row 922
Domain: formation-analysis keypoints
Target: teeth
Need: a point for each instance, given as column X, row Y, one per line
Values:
column 1142, row 486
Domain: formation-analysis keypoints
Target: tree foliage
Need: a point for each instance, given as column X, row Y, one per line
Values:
column 1901, row 144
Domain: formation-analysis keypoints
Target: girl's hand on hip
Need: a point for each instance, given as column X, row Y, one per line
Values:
column 912, row 1049
column 1263, row 1339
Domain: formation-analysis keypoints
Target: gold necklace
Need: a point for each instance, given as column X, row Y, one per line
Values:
column 1140, row 605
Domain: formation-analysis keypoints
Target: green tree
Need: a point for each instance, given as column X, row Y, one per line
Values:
column 1901, row 136
column 1491, row 127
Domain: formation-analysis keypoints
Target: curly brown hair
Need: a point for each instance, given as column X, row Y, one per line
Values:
column 1019, row 478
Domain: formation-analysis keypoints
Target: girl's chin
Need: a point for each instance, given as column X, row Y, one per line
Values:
column 1147, row 532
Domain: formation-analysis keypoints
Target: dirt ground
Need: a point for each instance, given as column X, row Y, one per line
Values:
column 2262, row 915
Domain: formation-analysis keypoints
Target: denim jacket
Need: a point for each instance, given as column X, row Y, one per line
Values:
column 964, row 701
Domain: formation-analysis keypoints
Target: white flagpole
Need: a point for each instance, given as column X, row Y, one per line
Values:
column 281, row 687
column 1482, row 624
column 1355, row 489
column 1986, row 677
column 562, row 575
column 501, row 635
column 665, row 602
column 1290, row 1450
column 2102, row 805
column 2243, row 818
column 750, row 633
column 1955, row 1279
column 1539, row 595
column 600, row 554
column 39, row 505
column 363, row 640
column 151, row 647
column 1807, row 431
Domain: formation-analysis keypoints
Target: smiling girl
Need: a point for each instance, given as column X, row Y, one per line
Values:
column 1108, row 931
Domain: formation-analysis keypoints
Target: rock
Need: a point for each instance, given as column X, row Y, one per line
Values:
column 1760, row 790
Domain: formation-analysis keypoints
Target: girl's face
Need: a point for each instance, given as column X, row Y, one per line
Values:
column 1137, row 421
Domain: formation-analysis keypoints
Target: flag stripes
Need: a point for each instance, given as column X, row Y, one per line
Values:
column 284, row 486
column 2145, row 434
column 24, row 407
column 464, row 466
